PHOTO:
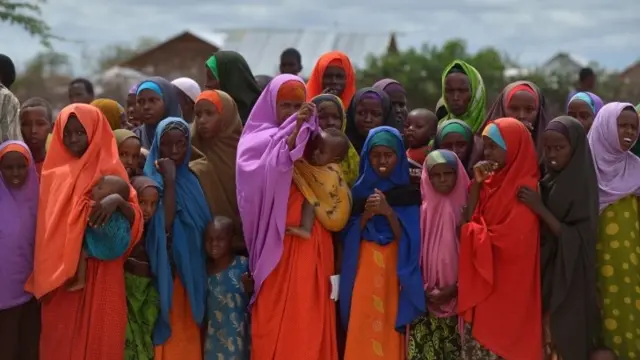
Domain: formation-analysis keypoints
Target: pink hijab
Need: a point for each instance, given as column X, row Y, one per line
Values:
column 439, row 218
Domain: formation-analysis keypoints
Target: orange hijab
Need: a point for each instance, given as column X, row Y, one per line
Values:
column 332, row 58
column 499, row 266
column 65, row 187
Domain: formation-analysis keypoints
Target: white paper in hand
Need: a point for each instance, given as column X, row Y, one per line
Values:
column 335, row 285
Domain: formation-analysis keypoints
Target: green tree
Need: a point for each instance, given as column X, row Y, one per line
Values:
column 46, row 75
column 115, row 54
column 27, row 15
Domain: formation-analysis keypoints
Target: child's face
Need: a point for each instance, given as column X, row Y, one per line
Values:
column 148, row 200
column 419, row 129
column 443, row 178
column 101, row 190
column 74, row 137
column 493, row 152
column 218, row 241
column 35, row 127
column 324, row 149
column 14, row 168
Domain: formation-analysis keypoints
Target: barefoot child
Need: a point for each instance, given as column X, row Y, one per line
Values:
column 229, row 286
column 330, row 146
column 114, row 227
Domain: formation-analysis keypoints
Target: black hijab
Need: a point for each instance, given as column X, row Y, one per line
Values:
column 388, row 116
column 237, row 80
column 568, row 261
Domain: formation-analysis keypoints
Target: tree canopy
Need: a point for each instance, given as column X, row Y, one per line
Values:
column 28, row 16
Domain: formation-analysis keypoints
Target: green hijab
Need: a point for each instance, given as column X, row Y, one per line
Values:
column 475, row 115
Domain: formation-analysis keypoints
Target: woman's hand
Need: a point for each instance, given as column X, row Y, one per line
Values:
column 531, row 198
column 483, row 169
column 167, row 168
column 305, row 113
column 377, row 204
column 103, row 209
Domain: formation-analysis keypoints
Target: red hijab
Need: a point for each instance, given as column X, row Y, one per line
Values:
column 499, row 271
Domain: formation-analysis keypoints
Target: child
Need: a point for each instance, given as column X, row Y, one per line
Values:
column 329, row 146
column 116, row 230
column 419, row 130
column 36, row 121
column 227, row 335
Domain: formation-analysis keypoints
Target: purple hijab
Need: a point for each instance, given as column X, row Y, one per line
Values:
column 618, row 171
column 18, row 211
column 264, row 171
column 594, row 101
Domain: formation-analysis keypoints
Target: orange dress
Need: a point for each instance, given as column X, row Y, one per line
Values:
column 293, row 316
column 374, row 305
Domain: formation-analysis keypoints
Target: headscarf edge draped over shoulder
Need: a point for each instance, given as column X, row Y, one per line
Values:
column 411, row 302
column 66, row 183
column 264, row 169
column 388, row 117
column 237, row 80
column 314, row 85
column 475, row 115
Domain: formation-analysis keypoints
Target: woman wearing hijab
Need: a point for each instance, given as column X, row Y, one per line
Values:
column 129, row 147
column 228, row 71
column 19, row 310
column 332, row 74
column 331, row 115
column 216, row 133
column 499, row 272
column 369, row 108
column 584, row 106
column 88, row 323
column 111, row 110
column 441, row 110
column 156, row 100
column 174, row 243
column 381, row 291
column 568, row 211
column 188, row 91
column 444, row 185
column 613, row 133
column 132, row 117
column 457, row 136
column 293, row 316
column 524, row 101
column 464, row 94
column 398, row 97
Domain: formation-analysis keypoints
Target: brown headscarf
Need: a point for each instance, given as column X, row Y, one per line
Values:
column 497, row 110
column 217, row 170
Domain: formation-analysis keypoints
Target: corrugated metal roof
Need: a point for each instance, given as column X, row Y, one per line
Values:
column 262, row 47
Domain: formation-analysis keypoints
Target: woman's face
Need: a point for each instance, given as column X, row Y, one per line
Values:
column 368, row 115
column 150, row 107
column 522, row 106
column 35, row 127
column 457, row 93
column 14, row 168
column 129, row 152
column 74, row 137
column 286, row 108
column 582, row 112
column 208, row 120
column 173, row 145
column 399, row 105
column 456, row 143
column 493, row 152
column 334, row 80
column 557, row 150
column 443, row 178
column 211, row 83
column 627, row 128
column 148, row 200
column 329, row 116
column 383, row 160
column 133, row 117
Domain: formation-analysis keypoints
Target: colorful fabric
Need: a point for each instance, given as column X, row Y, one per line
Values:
column 9, row 116
column 493, row 133
column 332, row 58
column 441, row 110
column 18, row 211
column 326, row 191
column 58, row 239
column 567, row 260
column 264, row 170
column 591, row 99
column 618, row 281
column 460, row 127
column 110, row 241
column 417, row 156
column 473, row 350
column 217, row 170
column 293, row 316
column 440, row 216
column 434, row 338
column 388, row 116
column 227, row 335
column 111, row 110
column 291, row 91
column 143, row 305
column 503, row 238
column 147, row 132
column 212, row 64
column 188, row 86
column 237, row 80
column 350, row 163
column 518, row 88
column 618, row 171
column 191, row 218
column 411, row 302
column 474, row 116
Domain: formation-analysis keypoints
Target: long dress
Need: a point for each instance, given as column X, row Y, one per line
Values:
column 293, row 316
column 618, row 254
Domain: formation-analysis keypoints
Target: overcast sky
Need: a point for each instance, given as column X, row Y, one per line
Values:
column 531, row 32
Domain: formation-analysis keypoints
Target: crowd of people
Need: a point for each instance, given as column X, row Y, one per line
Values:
column 261, row 218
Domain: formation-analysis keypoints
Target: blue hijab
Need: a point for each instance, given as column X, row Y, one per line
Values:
column 191, row 218
column 411, row 302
